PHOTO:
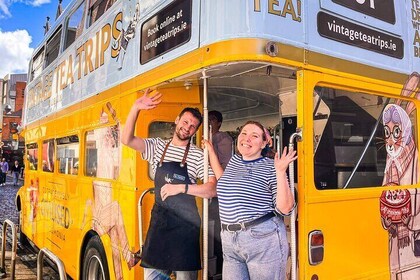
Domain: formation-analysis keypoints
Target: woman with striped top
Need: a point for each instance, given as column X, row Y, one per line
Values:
column 253, row 194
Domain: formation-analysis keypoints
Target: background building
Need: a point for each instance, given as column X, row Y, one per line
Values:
column 12, row 98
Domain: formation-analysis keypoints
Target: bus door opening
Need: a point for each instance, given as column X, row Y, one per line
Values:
column 249, row 91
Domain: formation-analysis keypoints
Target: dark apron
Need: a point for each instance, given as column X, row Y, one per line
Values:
column 173, row 240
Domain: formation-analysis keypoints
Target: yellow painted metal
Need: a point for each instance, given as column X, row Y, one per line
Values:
column 342, row 216
column 64, row 232
column 355, row 242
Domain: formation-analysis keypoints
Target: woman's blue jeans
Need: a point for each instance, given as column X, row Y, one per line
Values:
column 157, row 274
column 256, row 253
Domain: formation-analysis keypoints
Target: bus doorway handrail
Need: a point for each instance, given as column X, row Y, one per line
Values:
column 277, row 137
column 297, row 136
column 54, row 258
column 139, row 211
column 205, row 217
column 14, row 248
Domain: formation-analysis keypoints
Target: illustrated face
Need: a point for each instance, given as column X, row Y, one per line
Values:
column 186, row 126
column 251, row 142
column 397, row 130
column 393, row 138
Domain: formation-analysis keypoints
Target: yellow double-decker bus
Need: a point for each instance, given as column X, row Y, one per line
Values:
column 337, row 79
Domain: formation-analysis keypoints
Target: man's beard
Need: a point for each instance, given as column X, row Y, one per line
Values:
column 180, row 137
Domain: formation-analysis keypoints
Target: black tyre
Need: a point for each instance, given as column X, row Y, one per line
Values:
column 23, row 240
column 95, row 266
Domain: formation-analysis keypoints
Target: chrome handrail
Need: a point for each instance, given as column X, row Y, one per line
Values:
column 14, row 248
column 139, row 206
column 54, row 258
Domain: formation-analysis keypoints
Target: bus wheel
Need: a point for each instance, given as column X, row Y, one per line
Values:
column 95, row 266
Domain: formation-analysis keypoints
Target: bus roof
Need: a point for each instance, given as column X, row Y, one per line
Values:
column 132, row 37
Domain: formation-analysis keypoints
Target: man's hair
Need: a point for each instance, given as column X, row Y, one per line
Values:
column 195, row 112
column 217, row 115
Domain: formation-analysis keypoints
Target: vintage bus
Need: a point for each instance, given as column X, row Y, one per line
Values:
column 339, row 80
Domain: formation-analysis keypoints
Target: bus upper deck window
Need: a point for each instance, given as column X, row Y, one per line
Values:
column 53, row 47
column 37, row 62
column 97, row 8
column 74, row 25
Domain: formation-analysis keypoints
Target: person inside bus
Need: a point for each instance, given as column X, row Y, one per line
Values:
column 172, row 243
column 253, row 195
column 222, row 142
column 222, row 145
column 45, row 166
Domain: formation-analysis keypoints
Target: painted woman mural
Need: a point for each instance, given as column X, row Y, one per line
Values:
column 106, row 215
column 400, row 208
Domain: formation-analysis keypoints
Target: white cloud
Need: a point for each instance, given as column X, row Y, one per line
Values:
column 37, row 3
column 4, row 8
column 5, row 4
column 15, row 52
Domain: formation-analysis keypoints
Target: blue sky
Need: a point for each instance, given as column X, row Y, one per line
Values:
column 21, row 30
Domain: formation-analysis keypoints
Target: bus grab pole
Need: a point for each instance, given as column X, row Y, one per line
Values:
column 206, row 178
column 298, row 137
column 372, row 135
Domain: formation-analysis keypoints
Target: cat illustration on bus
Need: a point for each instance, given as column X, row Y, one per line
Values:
column 400, row 208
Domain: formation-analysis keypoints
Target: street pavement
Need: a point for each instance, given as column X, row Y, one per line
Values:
column 7, row 201
column 26, row 259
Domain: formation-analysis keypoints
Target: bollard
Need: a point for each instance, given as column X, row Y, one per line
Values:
column 3, row 249
column 54, row 258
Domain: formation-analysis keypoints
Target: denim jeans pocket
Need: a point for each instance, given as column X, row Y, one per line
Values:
column 264, row 229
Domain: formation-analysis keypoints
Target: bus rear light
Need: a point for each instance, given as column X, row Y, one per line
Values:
column 317, row 238
column 316, row 247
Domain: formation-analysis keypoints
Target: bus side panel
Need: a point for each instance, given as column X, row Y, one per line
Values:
column 359, row 193
column 355, row 242
column 62, row 206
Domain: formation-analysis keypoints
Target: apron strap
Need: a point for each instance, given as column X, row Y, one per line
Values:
column 184, row 159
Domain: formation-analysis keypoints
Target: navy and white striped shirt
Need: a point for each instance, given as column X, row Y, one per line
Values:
column 195, row 159
column 247, row 189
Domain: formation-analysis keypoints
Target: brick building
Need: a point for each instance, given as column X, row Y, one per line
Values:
column 12, row 98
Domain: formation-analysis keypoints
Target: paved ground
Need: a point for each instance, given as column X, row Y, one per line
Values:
column 7, row 201
column 26, row 259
